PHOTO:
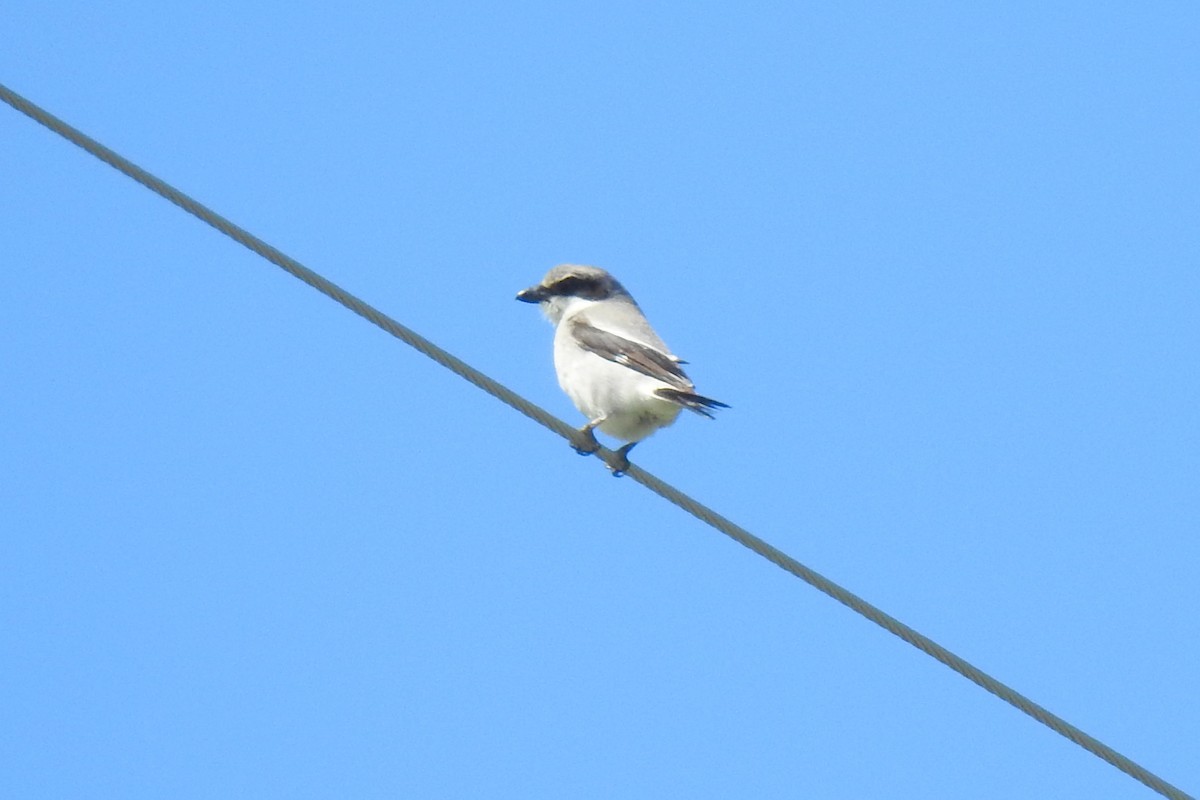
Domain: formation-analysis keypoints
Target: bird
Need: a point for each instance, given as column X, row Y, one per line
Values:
column 610, row 362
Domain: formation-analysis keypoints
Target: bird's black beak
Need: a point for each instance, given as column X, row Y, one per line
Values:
column 534, row 294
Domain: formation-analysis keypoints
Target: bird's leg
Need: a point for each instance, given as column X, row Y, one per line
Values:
column 620, row 461
column 585, row 444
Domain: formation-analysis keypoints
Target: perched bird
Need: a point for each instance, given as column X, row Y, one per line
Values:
column 610, row 362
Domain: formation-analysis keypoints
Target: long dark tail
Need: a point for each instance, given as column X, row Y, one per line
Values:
column 692, row 402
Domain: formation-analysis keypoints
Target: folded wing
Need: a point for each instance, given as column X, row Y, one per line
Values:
column 628, row 353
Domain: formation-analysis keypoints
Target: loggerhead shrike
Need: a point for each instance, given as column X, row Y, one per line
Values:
column 610, row 362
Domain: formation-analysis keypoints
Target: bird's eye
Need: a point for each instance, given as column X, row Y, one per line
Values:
column 570, row 285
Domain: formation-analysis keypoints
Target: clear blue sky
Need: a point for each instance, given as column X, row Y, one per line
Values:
column 941, row 259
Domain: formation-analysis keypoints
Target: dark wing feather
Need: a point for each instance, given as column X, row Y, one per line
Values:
column 628, row 353
column 704, row 406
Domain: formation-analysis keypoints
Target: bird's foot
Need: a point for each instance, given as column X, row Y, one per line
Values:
column 619, row 462
column 585, row 442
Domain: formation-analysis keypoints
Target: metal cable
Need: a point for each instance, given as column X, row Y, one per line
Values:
column 654, row 484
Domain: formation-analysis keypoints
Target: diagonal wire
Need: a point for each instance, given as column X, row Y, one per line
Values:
column 654, row 484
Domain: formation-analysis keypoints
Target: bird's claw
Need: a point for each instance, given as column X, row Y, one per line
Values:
column 617, row 468
column 619, row 462
column 585, row 443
